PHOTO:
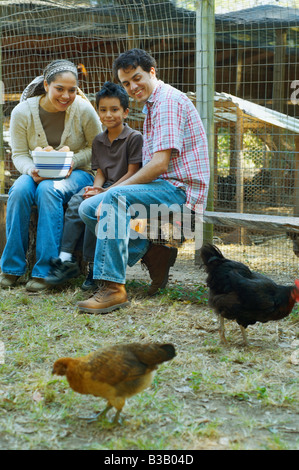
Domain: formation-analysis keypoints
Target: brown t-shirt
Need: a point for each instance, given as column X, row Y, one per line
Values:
column 114, row 157
column 53, row 124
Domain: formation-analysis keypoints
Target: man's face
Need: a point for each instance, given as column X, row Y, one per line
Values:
column 138, row 83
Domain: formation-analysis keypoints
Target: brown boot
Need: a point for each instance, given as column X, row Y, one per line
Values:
column 158, row 259
column 109, row 296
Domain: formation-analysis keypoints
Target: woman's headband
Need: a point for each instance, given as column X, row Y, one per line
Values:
column 60, row 69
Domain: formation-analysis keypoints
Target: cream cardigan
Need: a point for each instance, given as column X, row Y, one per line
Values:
column 82, row 124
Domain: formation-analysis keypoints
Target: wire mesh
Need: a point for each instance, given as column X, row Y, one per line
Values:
column 255, row 155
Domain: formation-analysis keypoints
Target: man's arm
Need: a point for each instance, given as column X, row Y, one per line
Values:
column 152, row 170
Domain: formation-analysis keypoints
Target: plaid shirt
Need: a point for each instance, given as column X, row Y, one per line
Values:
column 172, row 122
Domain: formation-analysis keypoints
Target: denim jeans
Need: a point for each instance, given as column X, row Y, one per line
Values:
column 75, row 231
column 76, row 236
column 49, row 197
column 120, row 247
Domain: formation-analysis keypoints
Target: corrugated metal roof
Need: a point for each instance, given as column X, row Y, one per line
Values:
column 252, row 111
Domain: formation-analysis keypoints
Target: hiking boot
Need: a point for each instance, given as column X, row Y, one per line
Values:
column 158, row 259
column 8, row 280
column 105, row 299
column 89, row 283
column 62, row 271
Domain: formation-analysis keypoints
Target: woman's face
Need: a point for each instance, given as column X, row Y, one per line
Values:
column 60, row 93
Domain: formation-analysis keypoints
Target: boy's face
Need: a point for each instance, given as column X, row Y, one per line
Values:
column 111, row 112
column 138, row 83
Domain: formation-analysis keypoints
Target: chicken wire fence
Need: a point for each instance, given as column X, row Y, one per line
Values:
column 237, row 61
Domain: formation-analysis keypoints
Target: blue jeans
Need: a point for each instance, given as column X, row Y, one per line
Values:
column 120, row 247
column 49, row 197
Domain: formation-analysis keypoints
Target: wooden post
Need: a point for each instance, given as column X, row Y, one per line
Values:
column 215, row 162
column 205, row 50
column 278, row 97
column 296, row 180
column 240, row 169
column 133, row 32
column 239, row 69
column 2, row 173
column 3, row 202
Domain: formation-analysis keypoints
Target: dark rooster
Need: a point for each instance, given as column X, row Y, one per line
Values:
column 237, row 293
column 116, row 372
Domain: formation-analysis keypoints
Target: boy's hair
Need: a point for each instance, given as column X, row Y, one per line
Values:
column 112, row 90
column 133, row 59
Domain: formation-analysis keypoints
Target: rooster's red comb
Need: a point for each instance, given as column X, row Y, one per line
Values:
column 297, row 283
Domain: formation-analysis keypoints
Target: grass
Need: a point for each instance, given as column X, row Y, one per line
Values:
column 209, row 396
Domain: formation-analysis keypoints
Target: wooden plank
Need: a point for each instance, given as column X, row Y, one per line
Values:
column 279, row 70
column 253, row 221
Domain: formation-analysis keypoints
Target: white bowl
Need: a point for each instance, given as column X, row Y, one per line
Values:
column 52, row 164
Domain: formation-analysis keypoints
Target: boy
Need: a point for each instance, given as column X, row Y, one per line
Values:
column 116, row 156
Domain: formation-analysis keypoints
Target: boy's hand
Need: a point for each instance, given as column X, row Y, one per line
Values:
column 92, row 191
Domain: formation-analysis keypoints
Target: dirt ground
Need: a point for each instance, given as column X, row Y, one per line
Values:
column 209, row 397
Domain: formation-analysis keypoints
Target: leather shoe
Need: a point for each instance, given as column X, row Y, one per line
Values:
column 8, row 280
column 110, row 296
column 36, row 284
column 158, row 259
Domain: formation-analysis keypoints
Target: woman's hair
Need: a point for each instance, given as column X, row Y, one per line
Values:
column 133, row 59
column 52, row 70
column 112, row 90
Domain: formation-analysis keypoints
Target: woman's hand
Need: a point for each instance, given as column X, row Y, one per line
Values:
column 70, row 170
column 36, row 178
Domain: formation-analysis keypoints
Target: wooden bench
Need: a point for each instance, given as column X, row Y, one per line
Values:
column 253, row 221
column 271, row 223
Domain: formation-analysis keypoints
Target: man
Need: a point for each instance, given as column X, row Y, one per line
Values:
column 175, row 171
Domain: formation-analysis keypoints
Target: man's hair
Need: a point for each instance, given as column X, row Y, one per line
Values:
column 133, row 59
column 112, row 90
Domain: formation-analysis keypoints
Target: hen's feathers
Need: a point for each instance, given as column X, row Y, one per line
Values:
column 125, row 362
column 116, row 372
column 237, row 293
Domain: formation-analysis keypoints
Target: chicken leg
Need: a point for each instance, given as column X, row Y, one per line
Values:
column 222, row 330
column 244, row 334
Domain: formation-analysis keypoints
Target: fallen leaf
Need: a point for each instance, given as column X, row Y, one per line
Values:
column 37, row 396
column 294, row 358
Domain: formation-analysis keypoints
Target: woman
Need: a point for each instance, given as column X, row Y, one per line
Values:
column 51, row 113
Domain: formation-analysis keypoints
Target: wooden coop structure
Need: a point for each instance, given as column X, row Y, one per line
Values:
column 238, row 116
column 256, row 64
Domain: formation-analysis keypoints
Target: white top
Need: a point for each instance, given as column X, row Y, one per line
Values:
column 82, row 124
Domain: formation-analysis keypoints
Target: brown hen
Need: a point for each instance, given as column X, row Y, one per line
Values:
column 114, row 373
